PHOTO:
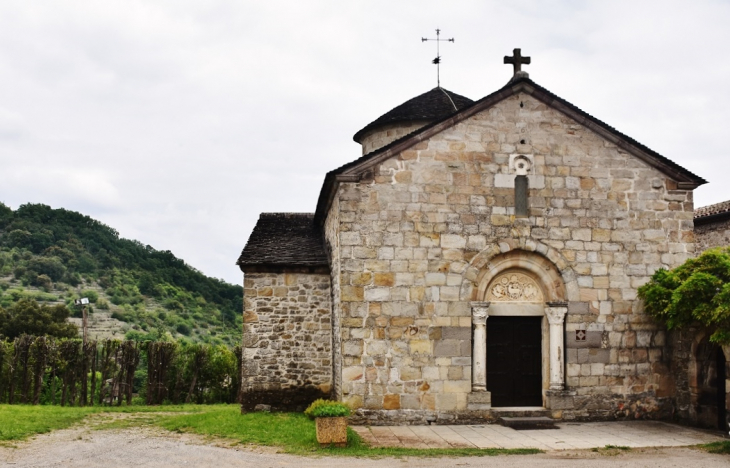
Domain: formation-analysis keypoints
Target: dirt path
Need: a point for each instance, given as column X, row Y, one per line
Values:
column 86, row 446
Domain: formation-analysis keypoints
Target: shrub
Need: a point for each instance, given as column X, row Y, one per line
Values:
column 698, row 291
column 327, row 409
column 119, row 316
column 91, row 295
column 183, row 329
column 44, row 282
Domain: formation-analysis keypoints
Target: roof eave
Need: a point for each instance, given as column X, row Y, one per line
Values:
column 711, row 218
column 284, row 268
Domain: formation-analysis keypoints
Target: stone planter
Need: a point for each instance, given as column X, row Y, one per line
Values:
column 332, row 431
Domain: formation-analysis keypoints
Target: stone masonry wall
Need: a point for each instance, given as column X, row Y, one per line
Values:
column 332, row 242
column 386, row 134
column 710, row 235
column 287, row 349
column 409, row 238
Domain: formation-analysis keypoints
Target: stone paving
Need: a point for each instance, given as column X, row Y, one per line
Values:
column 569, row 436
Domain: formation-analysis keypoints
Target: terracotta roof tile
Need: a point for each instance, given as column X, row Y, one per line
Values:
column 712, row 210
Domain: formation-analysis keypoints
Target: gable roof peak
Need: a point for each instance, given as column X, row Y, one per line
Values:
column 520, row 83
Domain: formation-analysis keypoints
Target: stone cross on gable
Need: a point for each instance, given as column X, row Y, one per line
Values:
column 517, row 60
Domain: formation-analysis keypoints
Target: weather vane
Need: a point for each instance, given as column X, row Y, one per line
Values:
column 437, row 60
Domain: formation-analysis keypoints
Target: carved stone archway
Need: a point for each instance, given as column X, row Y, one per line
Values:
column 543, row 260
column 518, row 282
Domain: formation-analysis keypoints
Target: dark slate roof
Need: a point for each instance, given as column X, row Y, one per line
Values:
column 716, row 212
column 281, row 241
column 432, row 105
column 514, row 86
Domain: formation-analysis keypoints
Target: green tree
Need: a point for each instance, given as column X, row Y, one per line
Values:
column 696, row 292
column 27, row 317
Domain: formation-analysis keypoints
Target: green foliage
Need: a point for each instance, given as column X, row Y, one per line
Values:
column 697, row 291
column 327, row 409
column 50, row 248
column 91, row 295
column 27, row 317
column 51, row 371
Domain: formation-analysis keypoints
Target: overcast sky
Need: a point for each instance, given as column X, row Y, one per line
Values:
column 178, row 122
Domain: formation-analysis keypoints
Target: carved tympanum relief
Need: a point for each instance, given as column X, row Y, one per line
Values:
column 514, row 287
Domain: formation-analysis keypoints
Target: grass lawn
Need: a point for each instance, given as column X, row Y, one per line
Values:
column 20, row 421
column 295, row 433
column 291, row 432
column 718, row 447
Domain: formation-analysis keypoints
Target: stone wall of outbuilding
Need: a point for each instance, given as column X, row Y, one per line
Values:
column 287, row 340
column 712, row 234
column 409, row 238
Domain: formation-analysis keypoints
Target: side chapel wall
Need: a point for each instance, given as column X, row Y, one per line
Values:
column 410, row 234
column 287, row 348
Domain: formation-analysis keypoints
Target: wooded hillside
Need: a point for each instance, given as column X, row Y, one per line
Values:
column 56, row 255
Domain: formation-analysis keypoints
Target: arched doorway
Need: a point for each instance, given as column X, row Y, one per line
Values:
column 515, row 340
column 522, row 342
column 708, row 384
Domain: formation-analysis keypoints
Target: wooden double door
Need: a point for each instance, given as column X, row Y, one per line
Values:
column 514, row 361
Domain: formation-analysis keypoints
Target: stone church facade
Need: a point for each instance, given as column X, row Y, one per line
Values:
column 480, row 257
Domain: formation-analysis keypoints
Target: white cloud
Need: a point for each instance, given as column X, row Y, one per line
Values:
column 177, row 122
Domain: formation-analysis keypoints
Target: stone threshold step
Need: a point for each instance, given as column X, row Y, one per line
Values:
column 525, row 423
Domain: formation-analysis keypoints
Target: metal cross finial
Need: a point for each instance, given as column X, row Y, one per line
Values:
column 517, row 60
column 437, row 60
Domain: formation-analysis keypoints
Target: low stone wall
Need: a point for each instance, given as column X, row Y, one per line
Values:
column 287, row 340
column 712, row 234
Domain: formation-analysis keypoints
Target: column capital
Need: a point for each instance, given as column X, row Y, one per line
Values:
column 479, row 312
column 555, row 312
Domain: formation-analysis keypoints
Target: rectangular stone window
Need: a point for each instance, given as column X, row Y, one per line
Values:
column 521, row 186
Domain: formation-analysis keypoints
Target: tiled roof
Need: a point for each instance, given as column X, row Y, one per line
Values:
column 281, row 241
column 713, row 210
column 432, row 105
column 514, row 86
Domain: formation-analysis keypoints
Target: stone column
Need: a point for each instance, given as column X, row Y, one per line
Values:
column 479, row 315
column 555, row 312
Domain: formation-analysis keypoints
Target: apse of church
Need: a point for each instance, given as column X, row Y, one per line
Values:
column 487, row 256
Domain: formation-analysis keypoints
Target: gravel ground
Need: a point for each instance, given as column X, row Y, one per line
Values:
column 84, row 446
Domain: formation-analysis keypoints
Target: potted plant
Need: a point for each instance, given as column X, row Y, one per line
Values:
column 331, row 420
